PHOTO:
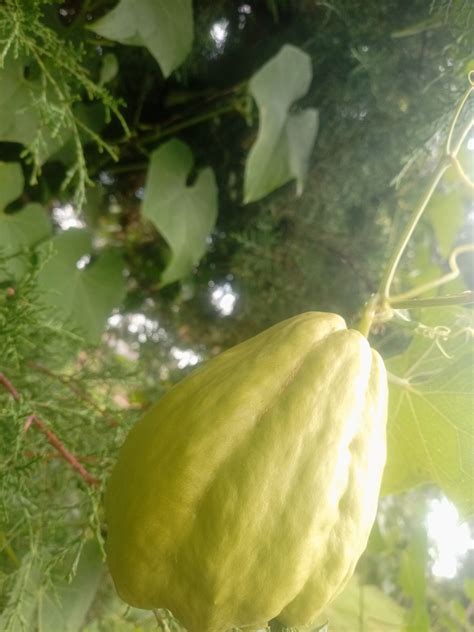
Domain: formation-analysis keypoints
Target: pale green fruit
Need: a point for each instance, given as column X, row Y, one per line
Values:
column 249, row 491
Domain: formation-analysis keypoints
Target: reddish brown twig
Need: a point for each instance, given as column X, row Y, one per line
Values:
column 51, row 437
column 61, row 448
column 9, row 387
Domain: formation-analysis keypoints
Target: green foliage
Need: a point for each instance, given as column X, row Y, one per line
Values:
column 19, row 231
column 77, row 290
column 370, row 606
column 66, row 606
column 20, row 120
column 168, row 35
column 446, row 213
column 11, row 177
column 52, row 418
column 39, row 113
column 62, row 606
column 184, row 215
column 19, row 611
column 285, row 139
column 413, row 582
column 431, row 400
column 386, row 81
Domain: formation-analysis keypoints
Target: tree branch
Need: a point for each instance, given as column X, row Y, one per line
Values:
column 51, row 437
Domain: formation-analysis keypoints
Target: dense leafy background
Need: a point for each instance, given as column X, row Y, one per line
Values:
column 172, row 184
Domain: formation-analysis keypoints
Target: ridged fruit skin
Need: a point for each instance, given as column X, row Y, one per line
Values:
column 249, row 491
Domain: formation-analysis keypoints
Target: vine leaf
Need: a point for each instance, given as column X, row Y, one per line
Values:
column 79, row 291
column 20, row 121
column 20, row 230
column 11, row 183
column 430, row 431
column 285, row 139
column 166, row 32
column 184, row 215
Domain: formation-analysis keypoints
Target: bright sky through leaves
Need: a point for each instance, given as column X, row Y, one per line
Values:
column 451, row 539
column 223, row 298
column 65, row 216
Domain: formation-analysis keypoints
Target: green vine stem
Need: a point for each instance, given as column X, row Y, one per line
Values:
column 380, row 305
column 387, row 279
column 446, row 278
column 368, row 315
column 457, row 114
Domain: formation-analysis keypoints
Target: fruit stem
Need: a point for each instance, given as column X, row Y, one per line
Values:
column 368, row 315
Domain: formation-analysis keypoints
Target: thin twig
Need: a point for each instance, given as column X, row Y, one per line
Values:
column 394, row 260
column 52, row 438
column 61, row 448
column 446, row 278
column 456, row 116
column 9, row 387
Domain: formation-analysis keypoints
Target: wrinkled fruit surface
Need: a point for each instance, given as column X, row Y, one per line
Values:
column 249, row 491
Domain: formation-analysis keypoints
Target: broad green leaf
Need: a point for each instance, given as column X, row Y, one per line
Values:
column 11, row 183
column 446, row 212
column 430, row 429
column 165, row 29
column 364, row 607
column 81, row 293
column 301, row 130
column 20, row 119
column 65, row 608
column 184, row 215
column 285, row 139
column 19, row 231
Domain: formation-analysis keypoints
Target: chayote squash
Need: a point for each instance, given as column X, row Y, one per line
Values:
column 249, row 491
